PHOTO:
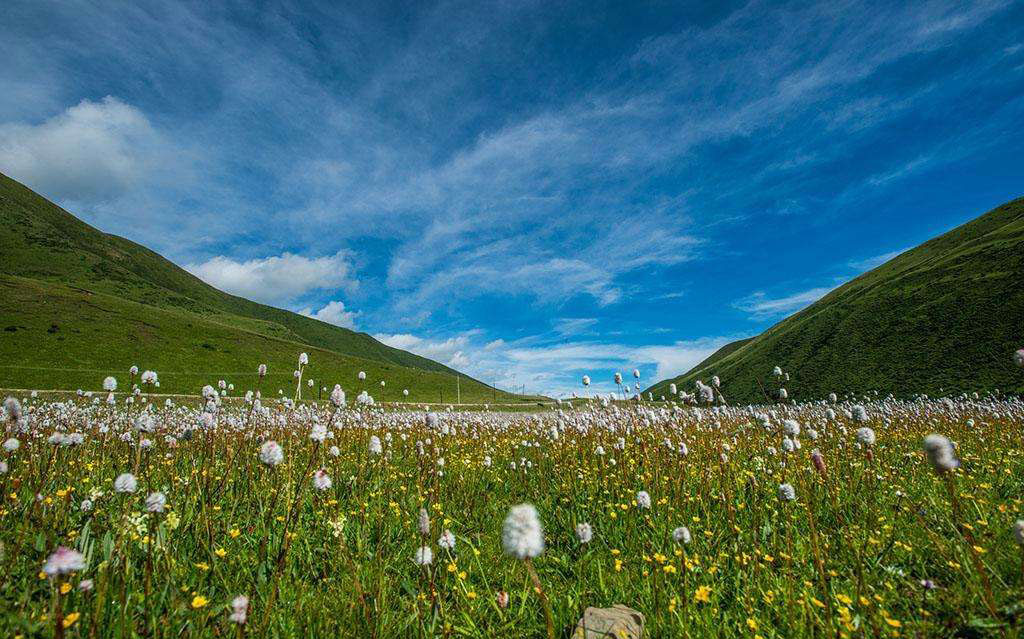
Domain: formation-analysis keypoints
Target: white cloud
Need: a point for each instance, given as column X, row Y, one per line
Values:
column 760, row 307
column 871, row 262
column 903, row 170
column 678, row 358
column 92, row 152
column 333, row 313
column 277, row 279
column 573, row 325
column 449, row 352
column 555, row 369
column 493, row 270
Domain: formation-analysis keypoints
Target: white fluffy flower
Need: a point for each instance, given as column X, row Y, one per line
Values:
column 643, row 500
column 787, row 492
column 156, row 502
column 109, row 384
column 13, row 408
column 321, row 480
column 271, row 453
column 125, row 483
column 682, row 535
column 144, row 423
column 860, row 414
column 866, row 436
column 375, row 446
column 64, row 561
column 424, row 556
column 303, row 359
column 940, row 453
column 522, row 535
column 432, row 421
column 447, row 540
column 338, row 396
column 318, row 433
column 239, row 609
column 584, row 532
column 11, row 445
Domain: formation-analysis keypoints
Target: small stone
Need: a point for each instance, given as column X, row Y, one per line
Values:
column 618, row 622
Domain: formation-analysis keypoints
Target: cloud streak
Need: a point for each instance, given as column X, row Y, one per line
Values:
column 759, row 306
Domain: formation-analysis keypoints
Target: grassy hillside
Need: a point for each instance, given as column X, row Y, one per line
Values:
column 943, row 317
column 77, row 304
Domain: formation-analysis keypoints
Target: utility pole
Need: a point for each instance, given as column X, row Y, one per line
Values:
column 458, row 389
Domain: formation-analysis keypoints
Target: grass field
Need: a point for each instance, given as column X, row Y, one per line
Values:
column 875, row 543
column 59, row 337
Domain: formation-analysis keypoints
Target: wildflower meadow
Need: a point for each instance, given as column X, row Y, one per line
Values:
column 126, row 514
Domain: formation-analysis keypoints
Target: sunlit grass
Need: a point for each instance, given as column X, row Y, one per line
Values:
column 869, row 547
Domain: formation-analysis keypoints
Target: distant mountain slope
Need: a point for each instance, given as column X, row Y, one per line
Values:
column 943, row 317
column 54, row 266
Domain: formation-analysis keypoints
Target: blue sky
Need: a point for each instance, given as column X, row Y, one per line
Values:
column 528, row 191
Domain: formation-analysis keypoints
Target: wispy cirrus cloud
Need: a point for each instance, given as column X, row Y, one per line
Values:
column 874, row 261
column 573, row 325
column 760, row 307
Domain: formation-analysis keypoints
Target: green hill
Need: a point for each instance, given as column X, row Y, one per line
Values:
column 77, row 304
column 940, row 318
